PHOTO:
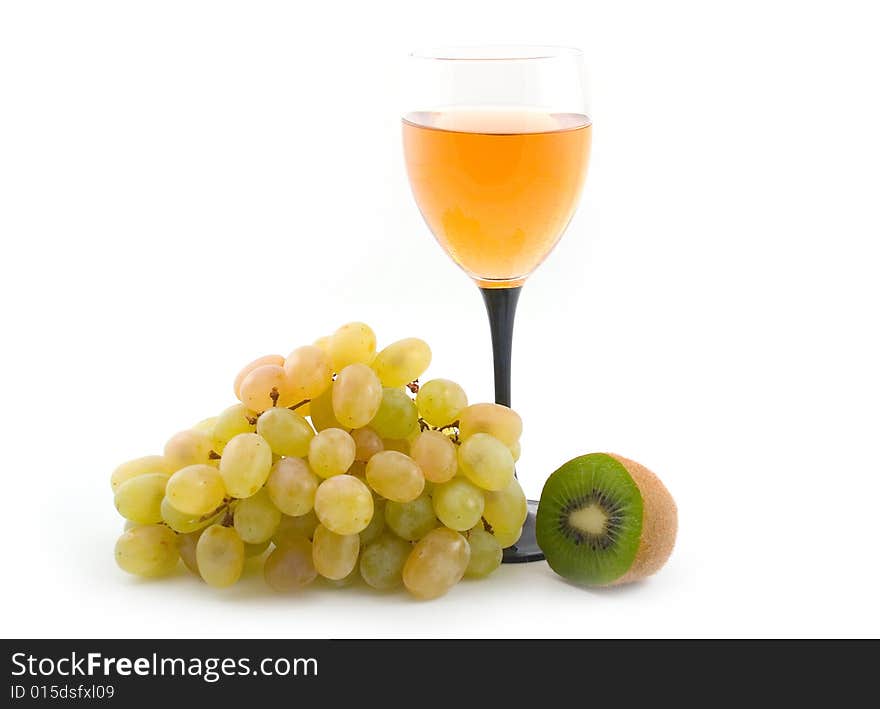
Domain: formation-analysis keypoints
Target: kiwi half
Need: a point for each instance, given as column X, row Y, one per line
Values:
column 605, row 520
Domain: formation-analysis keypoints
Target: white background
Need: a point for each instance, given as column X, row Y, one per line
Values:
column 187, row 185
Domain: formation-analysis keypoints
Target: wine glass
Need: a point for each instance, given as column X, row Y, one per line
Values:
column 497, row 142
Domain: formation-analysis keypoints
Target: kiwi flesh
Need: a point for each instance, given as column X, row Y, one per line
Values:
column 605, row 520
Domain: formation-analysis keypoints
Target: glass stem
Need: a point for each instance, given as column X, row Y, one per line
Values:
column 501, row 307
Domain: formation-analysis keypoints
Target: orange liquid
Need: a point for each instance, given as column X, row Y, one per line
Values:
column 497, row 187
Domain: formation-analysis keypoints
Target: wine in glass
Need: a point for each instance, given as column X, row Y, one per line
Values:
column 497, row 142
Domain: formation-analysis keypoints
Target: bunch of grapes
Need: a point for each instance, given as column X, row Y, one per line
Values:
column 336, row 463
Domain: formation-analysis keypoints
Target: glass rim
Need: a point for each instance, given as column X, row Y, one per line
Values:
column 496, row 53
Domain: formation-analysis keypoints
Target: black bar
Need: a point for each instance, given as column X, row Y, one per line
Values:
column 501, row 307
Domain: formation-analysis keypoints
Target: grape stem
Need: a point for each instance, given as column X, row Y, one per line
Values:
column 298, row 404
column 213, row 455
column 425, row 426
column 413, row 386
column 274, row 395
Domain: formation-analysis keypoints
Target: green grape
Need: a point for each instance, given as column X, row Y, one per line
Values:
column 354, row 343
column 397, row 416
column 436, row 455
column 286, row 432
column 206, row 426
column 238, row 418
column 344, row 504
column 256, row 519
column 382, row 562
column 253, row 550
column 401, row 445
column 357, row 396
column 291, row 486
column 188, row 448
column 486, row 461
column 196, row 490
column 187, row 548
column 507, row 537
column 262, row 384
column 148, row 550
column 290, row 567
column 486, row 553
column 220, row 556
column 309, row 371
column 506, row 509
column 342, row 583
column 497, row 420
column 139, row 466
column 411, row 520
column 245, row 464
column 458, row 504
column 140, row 499
column 366, row 444
column 377, row 523
column 334, row 555
column 436, row 563
column 321, row 412
column 395, row 476
column 402, row 362
column 277, row 360
column 331, row 452
column 184, row 523
column 295, row 527
column 441, row 401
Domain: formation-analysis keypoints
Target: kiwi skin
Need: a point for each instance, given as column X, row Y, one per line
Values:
column 659, row 523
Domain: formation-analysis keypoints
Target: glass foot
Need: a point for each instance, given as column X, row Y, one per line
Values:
column 526, row 549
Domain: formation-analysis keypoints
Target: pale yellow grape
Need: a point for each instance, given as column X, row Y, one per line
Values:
column 188, row 448
column 377, row 523
column 196, row 490
column 486, row 553
column 458, row 504
column 515, row 451
column 286, row 432
column 309, row 372
column 367, row 443
column 507, row 508
column 275, row 359
column 395, row 476
column 206, row 426
column 441, row 401
column 359, row 470
column 236, row 419
column 182, row 522
column 245, row 464
column 334, row 555
column 256, row 519
column 397, row 416
column 295, row 527
column 331, row 452
column 411, row 520
column 497, row 420
column 220, row 556
column 321, row 412
column 354, row 343
column 323, row 343
column 140, row 499
column 343, row 582
column 292, row 485
column 436, row 455
column 290, row 567
column 486, row 461
column 187, row 544
column 148, row 550
column 258, row 386
column 436, row 563
column 357, row 395
column 139, row 466
column 402, row 362
column 507, row 537
column 381, row 563
column 344, row 504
